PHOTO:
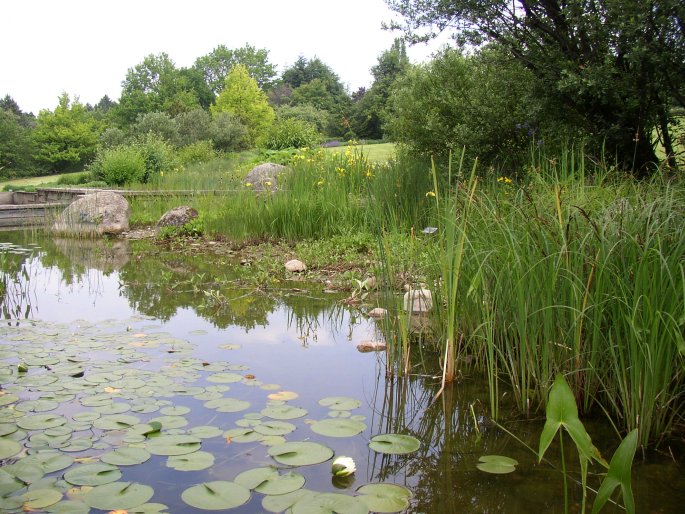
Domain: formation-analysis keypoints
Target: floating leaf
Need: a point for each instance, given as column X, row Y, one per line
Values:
column 68, row 507
column 283, row 412
column 283, row 396
column 25, row 471
column 227, row 405
column 283, row 502
column 126, row 456
column 41, row 421
column 168, row 422
column 266, row 480
column 300, row 453
column 224, row 378
column 338, row 427
column 271, row 427
column 242, row 435
column 496, row 464
column 394, row 443
column 385, row 497
column 340, row 403
column 173, row 445
column 330, row 503
column 8, row 448
column 175, row 410
column 92, row 474
column 36, row 405
column 50, row 461
column 191, row 462
column 217, row 495
column 149, row 508
column 7, row 428
column 116, row 422
column 40, row 498
column 205, row 432
column 118, row 495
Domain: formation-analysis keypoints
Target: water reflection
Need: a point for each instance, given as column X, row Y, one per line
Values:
column 305, row 341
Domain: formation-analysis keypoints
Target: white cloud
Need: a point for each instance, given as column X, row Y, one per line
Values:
column 85, row 47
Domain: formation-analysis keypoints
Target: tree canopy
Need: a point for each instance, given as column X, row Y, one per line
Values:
column 216, row 65
column 618, row 67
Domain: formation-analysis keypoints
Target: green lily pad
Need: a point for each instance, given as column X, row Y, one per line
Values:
column 216, row 495
column 340, row 403
column 274, row 427
column 9, row 448
column 283, row 502
column 118, row 495
column 68, row 507
column 126, row 456
column 6, row 399
column 41, row 421
column 40, row 498
column 227, row 405
column 338, row 427
column 175, row 410
column 173, row 445
column 300, row 453
column 394, row 444
column 205, row 432
column 7, row 428
column 28, row 472
column 224, row 378
column 191, row 462
column 496, row 464
column 113, row 408
column 92, row 474
column 284, row 412
column 242, row 435
column 330, row 503
column 50, row 461
column 267, row 481
column 385, row 497
column 77, row 445
column 149, row 508
column 116, row 422
column 36, row 406
column 168, row 422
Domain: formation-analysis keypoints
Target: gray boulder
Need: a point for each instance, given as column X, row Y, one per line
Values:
column 264, row 177
column 104, row 212
column 295, row 266
column 177, row 217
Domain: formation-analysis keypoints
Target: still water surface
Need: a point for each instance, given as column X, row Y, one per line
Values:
column 150, row 314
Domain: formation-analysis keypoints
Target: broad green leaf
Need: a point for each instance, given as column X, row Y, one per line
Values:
column 68, row 507
column 149, row 508
column 271, row 427
column 205, row 432
column 8, row 448
column 191, row 462
column 227, row 405
column 40, row 498
column 385, row 497
column 242, row 435
column 619, row 474
column 284, row 412
column 50, row 461
column 496, row 464
column 267, row 481
column 340, row 403
column 173, row 445
column 126, row 456
column 338, row 427
column 283, row 502
column 118, row 495
column 41, row 421
column 92, row 474
column 26, row 471
column 224, row 378
column 394, row 443
column 330, row 503
column 217, row 495
column 300, row 453
column 116, row 422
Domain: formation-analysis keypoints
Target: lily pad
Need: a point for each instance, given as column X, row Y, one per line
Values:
column 496, row 464
column 330, row 503
column 126, row 456
column 149, row 508
column 191, row 462
column 216, row 495
column 283, row 396
column 227, row 405
column 28, row 472
column 92, row 474
column 397, row 444
column 40, row 498
column 8, row 448
column 283, row 502
column 267, row 481
column 41, row 421
column 271, row 427
column 173, row 445
column 338, row 427
column 205, row 432
column 50, row 461
column 36, row 405
column 116, row 422
column 300, row 453
column 242, row 435
column 69, row 507
column 284, row 412
column 118, row 495
column 340, row 403
column 224, row 378
column 385, row 497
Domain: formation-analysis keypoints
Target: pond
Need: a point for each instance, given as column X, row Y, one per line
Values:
column 153, row 380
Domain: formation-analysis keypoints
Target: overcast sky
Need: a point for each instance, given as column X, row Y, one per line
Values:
column 85, row 47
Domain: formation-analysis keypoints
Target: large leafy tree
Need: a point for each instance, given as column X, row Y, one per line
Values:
column 617, row 66
column 67, row 137
column 216, row 65
column 243, row 98
column 15, row 143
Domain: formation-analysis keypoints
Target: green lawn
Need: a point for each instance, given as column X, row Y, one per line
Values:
column 45, row 180
column 374, row 153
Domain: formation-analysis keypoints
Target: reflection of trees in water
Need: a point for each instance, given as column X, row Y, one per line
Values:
column 442, row 474
column 16, row 283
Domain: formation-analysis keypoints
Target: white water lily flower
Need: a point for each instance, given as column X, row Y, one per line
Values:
column 343, row 466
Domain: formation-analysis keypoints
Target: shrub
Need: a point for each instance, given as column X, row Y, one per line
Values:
column 158, row 154
column 193, row 126
column 291, row 133
column 197, row 153
column 159, row 124
column 228, row 133
column 119, row 166
column 113, row 137
column 75, row 179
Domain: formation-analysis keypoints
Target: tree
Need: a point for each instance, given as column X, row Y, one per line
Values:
column 216, row 65
column 155, row 85
column 618, row 66
column 242, row 98
column 67, row 138
column 15, row 143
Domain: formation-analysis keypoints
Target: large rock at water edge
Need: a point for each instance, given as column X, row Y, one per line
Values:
column 104, row 212
column 177, row 217
column 295, row 266
column 264, row 177
column 418, row 300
